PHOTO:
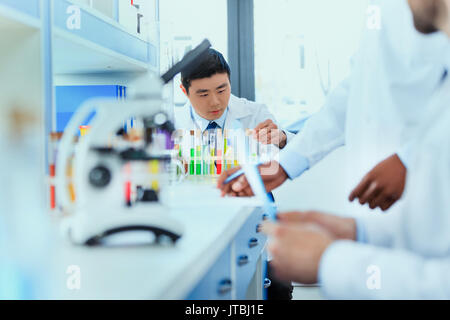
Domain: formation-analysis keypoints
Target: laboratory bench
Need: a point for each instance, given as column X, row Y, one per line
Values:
column 221, row 255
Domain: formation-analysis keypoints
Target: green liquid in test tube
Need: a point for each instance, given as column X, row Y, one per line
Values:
column 205, row 153
column 199, row 160
column 225, row 145
column 192, row 162
column 198, row 153
column 212, row 170
column 213, row 154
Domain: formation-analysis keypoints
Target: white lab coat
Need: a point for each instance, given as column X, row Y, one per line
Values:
column 414, row 259
column 378, row 108
column 242, row 114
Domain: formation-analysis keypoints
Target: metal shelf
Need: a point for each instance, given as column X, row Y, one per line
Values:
column 99, row 45
column 19, row 14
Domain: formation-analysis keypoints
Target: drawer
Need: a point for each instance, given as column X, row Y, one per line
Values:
column 249, row 244
column 217, row 283
column 266, row 282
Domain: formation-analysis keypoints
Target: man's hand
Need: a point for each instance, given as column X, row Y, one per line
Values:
column 267, row 132
column 383, row 185
column 338, row 227
column 272, row 173
column 296, row 250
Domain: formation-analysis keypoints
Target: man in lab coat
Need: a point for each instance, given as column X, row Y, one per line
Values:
column 211, row 104
column 410, row 260
column 374, row 113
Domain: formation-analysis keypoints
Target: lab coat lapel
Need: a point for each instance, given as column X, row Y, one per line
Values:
column 183, row 119
column 238, row 114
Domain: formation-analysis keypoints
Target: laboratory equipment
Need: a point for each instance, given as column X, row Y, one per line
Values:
column 103, row 172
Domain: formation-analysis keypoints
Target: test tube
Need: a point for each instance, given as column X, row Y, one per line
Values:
column 128, row 193
column 247, row 146
column 177, row 153
column 198, row 152
column 253, row 148
column 192, row 161
column 205, row 154
column 170, row 143
column 127, row 184
column 52, row 155
column 212, row 148
column 229, row 151
column 69, row 175
column 225, row 148
column 84, row 130
column 154, row 171
column 184, row 154
column 219, row 140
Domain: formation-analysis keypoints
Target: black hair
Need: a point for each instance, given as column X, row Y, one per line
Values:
column 213, row 63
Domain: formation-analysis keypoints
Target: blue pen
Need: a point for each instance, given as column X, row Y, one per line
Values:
column 235, row 175
column 256, row 183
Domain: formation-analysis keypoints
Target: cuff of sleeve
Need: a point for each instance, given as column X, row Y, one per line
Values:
column 335, row 274
column 361, row 234
column 293, row 163
column 327, row 256
column 405, row 154
column 289, row 136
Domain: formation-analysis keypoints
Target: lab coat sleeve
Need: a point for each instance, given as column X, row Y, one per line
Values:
column 379, row 229
column 361, row 233
column 350, row 270
column 322, row 133
column 405, row 153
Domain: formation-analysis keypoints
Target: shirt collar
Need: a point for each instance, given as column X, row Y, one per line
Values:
column 203, row 123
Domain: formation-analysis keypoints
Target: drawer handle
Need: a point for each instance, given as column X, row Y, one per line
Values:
column 243, row 260
column 253, row 242
column 267, row 283
column 225, row 286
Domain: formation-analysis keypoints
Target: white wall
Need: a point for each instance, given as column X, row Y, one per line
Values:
column 328, row 30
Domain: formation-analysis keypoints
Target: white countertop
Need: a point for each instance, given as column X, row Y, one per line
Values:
column 153, row 271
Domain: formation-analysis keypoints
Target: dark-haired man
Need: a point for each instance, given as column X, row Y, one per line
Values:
column 211, row 104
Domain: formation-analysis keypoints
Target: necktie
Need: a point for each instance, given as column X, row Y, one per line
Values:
column 212, row 126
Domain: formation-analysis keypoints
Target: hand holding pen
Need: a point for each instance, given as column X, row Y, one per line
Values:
column 234, row 183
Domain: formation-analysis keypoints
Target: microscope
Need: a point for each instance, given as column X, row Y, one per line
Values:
column 101, row 177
